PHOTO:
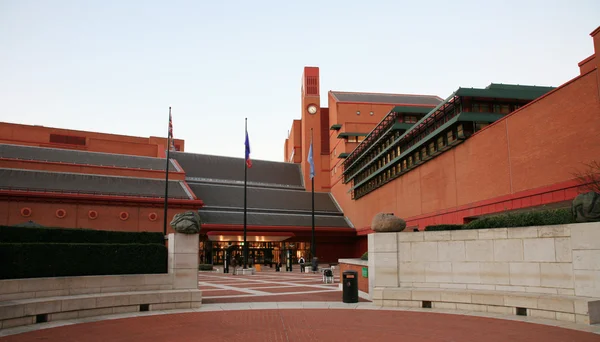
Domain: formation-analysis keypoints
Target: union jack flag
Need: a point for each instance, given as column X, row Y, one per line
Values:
column 170, row 138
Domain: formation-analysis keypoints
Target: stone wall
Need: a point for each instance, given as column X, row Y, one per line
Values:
column 561, row 259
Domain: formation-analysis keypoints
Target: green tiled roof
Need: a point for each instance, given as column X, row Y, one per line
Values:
column 335, row 127
column 343, row 155
column 505, row 91
column 409, row 109
column 402, row 125
column 351, row 134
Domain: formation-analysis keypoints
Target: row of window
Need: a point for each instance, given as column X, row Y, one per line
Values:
column 431, row 149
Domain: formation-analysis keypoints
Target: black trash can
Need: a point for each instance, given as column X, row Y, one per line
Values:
column 350, row 287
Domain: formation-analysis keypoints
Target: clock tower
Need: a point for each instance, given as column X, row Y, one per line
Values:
column 311, row 119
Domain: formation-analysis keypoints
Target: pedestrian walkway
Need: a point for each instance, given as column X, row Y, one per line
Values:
column 304, row 321
column 267, row 286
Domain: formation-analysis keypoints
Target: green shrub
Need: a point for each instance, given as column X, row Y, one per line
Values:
column 365, row 256
column 205, row 267
column 66, row 235
column 34, row 260
column 524, row 219
column 440, row 227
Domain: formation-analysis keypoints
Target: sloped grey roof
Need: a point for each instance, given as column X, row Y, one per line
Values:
column 387, row 98
column 232, row 169
column 82, row 157
column 229, row 196
column 90, row 184
column 270, row 219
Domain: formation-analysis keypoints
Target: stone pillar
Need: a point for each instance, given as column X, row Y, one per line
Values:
column 183, row 260
column 383, row 262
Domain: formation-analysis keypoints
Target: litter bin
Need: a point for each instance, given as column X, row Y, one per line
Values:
column 350, row 287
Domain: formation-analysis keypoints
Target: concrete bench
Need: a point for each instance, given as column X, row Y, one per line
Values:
column 584, row 310
column 45, row 309
column 37, row 300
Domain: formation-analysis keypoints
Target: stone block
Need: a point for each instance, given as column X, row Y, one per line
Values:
column 479, row 250
column 409, row 303
column 186, row 278
column 587, row 283
column 525, row 273
column 489, row 299
column 183, row 260
column 468, row 234
column 157, row 279
column 465, row 272
column 581, row 306
column 186, row 305
column 183, row 243
column 426, row 285
column 411, row 236
column 424, row 251
column 523, row 232
column 377, row 293
column 496, row 273
column 501, row 309
column 456, row 297
column 44, row 307
column 471, row 307
column 433, row 296
column 175, row 296
column 523, row 301
column 110, row 301
column 385, row 269
column 495, row 233
column 126, row 309
column 582, row 319
column 566, row 292
column 438, row 272
column 443, row 235
column 144, row 298
column 453, row 286
column 163, row 306
column 442, row 305
column 17, row 322
column 42, row 284
column 451, row 250
column 509, row 288
column 94, row 312
column 508, row 250
column 562, row 247
column 554, row 231
column 195, row 305
column 76, row 304
column 539, row 249
column 385, row 242
column 585, row 236
column 586, row 259
column 561, row 316
column 371, row 243
column 404, row 251
column 389, row 303
column 541, row 314
column 541, row 290
column 51, row 293
column 556, row 304
column 10, row 286
column 557, row 275
column 196, row 295
column 412, row 271
column 11, row 311
column 396, row 294
column 61, row 316
column 481, row 287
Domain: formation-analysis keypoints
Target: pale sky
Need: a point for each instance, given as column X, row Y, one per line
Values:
column 116, row 66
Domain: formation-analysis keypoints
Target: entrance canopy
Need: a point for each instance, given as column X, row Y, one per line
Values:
column 250, row 236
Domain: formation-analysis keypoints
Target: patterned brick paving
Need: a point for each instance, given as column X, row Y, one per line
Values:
column 305, row 325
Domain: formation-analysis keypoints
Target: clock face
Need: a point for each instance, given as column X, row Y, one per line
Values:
column 312, row 109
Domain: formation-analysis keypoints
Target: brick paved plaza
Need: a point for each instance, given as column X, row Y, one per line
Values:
column 282, row 306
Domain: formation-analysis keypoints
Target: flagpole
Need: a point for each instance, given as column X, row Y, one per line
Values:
column 245, row 199
column 167, row 176
column 312, row 243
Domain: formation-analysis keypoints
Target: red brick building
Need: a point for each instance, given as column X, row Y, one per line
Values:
column 479, row 152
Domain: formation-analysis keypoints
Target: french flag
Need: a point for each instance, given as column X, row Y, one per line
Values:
column 248, row 161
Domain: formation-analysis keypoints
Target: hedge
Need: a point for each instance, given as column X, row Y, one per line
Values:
column 365, row 256
column 439, row 227
column 66, row 235
column 524, row 219
column 34, row 260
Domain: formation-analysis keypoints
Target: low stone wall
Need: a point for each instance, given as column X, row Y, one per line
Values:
column 356, row 265
column 562, row 260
